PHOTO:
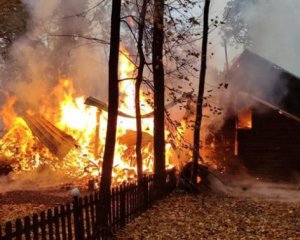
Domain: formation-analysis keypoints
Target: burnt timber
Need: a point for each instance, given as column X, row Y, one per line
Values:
column 58, row 142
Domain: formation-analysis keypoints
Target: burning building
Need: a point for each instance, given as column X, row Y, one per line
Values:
column 262, row 133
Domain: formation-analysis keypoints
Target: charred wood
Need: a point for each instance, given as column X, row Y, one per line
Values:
column 58, row 142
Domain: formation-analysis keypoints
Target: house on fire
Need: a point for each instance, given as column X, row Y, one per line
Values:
column 264, row 133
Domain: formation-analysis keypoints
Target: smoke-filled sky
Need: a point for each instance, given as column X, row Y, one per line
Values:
column 274, row 27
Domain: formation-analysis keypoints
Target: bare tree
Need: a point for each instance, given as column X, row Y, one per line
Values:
column 113, row 103
column 196, row 154
column 139, row 81
column 159, row 85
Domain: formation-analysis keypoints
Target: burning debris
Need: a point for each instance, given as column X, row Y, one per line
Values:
column 58, row 142
column 67, row 135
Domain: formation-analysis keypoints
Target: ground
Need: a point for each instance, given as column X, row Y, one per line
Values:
column 215, row 216
column 18, row 204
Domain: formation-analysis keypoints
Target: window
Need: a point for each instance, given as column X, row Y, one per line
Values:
column 244, row 120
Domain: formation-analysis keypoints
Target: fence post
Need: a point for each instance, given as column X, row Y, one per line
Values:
column 122, row 206
column 78, row 223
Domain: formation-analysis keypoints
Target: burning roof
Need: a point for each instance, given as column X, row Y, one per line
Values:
column 261, row 78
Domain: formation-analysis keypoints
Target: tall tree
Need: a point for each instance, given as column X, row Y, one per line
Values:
column 139, row 80
column 196, row 154
column 159, row 84
column 113, row 102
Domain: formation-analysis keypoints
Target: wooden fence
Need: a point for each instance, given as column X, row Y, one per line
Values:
column 77, row 220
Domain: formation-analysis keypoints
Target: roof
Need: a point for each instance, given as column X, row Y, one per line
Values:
column 261, row 78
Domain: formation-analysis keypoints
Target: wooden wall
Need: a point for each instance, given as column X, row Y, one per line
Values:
column 271, row 149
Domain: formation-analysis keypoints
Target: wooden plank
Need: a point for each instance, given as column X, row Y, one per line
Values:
column 58, row 142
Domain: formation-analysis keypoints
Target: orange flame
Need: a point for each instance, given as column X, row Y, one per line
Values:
column 68, row 112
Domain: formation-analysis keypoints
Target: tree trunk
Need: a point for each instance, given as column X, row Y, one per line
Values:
column 196, row 154
column 159, row 96
column 139, row 80
column 113, row 102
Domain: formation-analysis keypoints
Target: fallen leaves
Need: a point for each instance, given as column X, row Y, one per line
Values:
column 213, row 216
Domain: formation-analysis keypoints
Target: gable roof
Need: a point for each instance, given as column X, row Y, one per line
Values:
column 259, row 77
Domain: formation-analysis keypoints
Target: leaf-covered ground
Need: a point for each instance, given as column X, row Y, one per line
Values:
column 215, row 216
column 19, row 204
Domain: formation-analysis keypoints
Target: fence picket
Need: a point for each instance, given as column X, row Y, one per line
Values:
column 113, row 208
column 35, row 226
column 118, row 206
column 69, row 221
column 50, row 224
column 43, row 225
column 27, row 228
column 92, row 202
column 127, row 202
column 56, row 224
column 78, row 223
column 8, row 230
column 122, row 206
column 87, row 205
column 19, row 229
column 63, row 222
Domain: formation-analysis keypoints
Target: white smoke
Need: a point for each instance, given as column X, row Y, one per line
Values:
column 246, row 186
column 273, row 25
column 37, row 179
column 55, row 45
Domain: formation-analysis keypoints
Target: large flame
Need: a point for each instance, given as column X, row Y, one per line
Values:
column 67, row 111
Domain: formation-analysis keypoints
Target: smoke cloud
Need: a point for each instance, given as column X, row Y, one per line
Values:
column 246, row 186
column 55, row 45
column 34, row 180
column 273, row 26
